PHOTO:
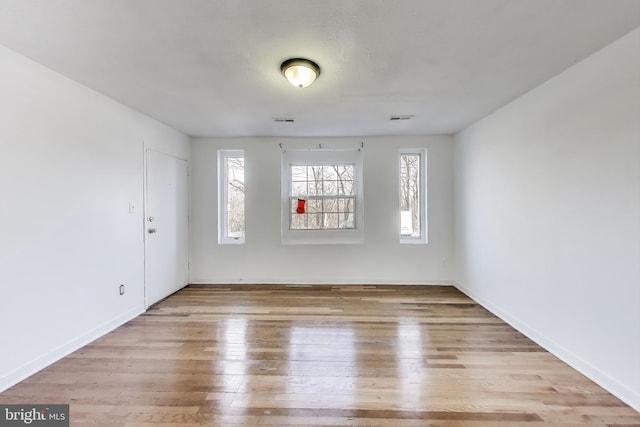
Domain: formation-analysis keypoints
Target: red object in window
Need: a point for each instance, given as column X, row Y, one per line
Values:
column 300, row 208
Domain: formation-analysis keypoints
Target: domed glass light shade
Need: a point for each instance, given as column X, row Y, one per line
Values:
column 300, row 72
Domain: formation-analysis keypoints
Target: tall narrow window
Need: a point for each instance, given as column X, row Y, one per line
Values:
column 231, row 222
column 413, row 225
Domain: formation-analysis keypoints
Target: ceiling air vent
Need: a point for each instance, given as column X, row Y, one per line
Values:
column 284, row 120
column 401, row 117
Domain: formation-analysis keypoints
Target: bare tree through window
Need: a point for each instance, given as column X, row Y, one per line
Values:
column 328, row 194
column 231, row 199
column 235, row 196
column 410, row 193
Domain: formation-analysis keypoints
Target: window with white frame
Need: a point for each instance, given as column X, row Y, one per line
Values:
column 322, row 196
column 231, row 196
column 413, row 219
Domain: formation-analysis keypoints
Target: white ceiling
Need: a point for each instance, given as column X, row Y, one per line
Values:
column 211, row 67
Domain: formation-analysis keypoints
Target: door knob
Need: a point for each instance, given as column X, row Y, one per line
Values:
column 151, row 230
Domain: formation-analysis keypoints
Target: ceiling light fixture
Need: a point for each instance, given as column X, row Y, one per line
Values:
column 300, row 72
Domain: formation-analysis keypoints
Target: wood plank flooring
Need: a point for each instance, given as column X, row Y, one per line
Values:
column 263, row 355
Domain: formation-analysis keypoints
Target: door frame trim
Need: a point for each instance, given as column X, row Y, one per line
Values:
column 145, row 209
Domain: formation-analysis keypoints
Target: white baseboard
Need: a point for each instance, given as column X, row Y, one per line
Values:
column 305, row 283
column 622, row 391
column 41, row 362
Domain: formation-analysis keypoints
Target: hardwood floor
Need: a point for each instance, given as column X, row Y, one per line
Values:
column 256, row 355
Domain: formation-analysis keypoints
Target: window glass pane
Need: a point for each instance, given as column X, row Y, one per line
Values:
column 330, row 188
column 314, row 221
column 330, row 220
column 235, row 197
column 347, row 221
column 323, row 209
column 345, row 205
column 314, row 173
column 314, row 205
column 345, row 187
column 315, row 185
column 297, row 221
column 346, row 171
column 410, row 194
column 330, row 173
column 298, row 173
column 330, row 205
column 231, row 196
column 299, row 188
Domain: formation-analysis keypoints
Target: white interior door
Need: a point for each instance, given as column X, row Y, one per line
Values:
column 166, row 225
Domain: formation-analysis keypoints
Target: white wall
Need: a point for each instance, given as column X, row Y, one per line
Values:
column 71, row 161
column 547, row 196
column 380, row 259
column 547, row 207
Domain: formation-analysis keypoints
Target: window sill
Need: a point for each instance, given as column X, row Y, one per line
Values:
column 323, row 237
column 413, row 241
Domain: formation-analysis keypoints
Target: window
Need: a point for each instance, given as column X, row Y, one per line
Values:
column 231, row 196
column 322, row 196
column 413, row 224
